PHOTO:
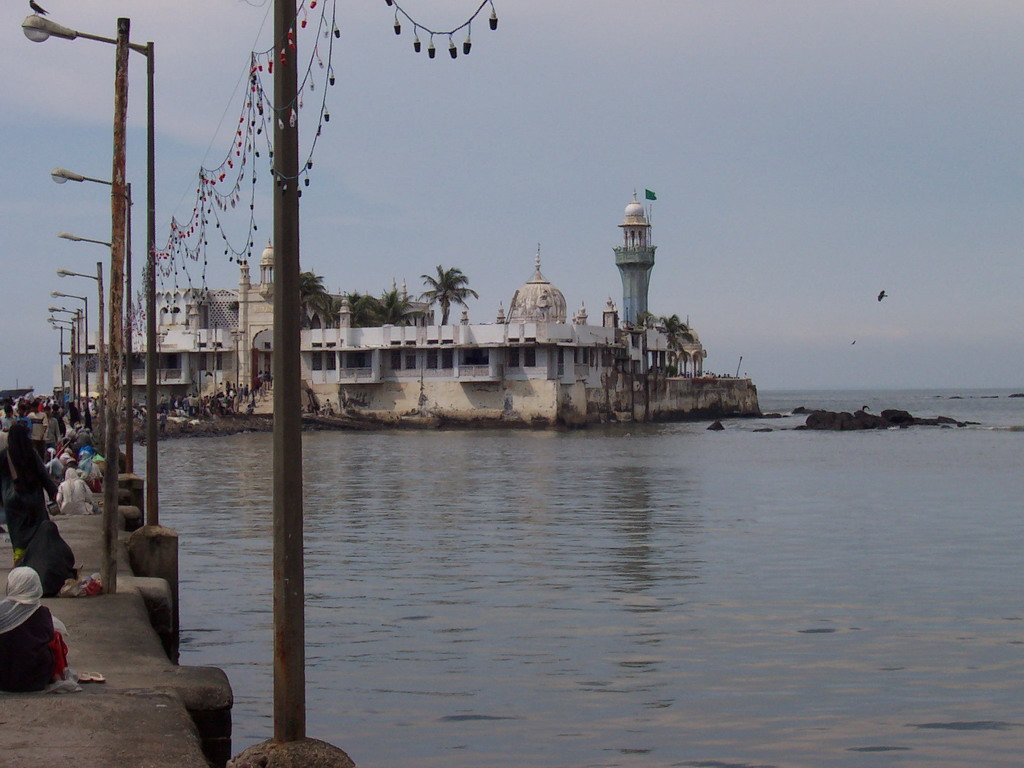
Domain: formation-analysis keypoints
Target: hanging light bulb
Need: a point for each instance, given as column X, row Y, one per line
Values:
column 327, row 116
column 390, row 2
column 416, row 44
column 466, row 44
column 337, row 32
column 306, row 181
column 452, row 50
column 431, row 51
column 398, row 24
column 494, row 18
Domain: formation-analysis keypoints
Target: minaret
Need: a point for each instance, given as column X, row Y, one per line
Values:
column 267, row 271
column 244, row 339
column 635, row 259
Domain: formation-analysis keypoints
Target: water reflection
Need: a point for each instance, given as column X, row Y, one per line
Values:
column 600, row 599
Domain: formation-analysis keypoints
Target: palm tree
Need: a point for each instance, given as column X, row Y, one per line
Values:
column 395, row 308
column 313, row 297
column 365, row 309
column 678, row 334
column 645, row 320
column 449, row 286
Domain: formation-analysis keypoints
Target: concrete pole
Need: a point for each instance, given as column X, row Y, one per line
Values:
column 129, row 390
column 101, row 348
column 74, row 365
column 289, row 589
column 152, row 436
column 118, row 205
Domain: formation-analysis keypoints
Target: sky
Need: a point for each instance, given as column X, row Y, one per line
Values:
column 806, row 154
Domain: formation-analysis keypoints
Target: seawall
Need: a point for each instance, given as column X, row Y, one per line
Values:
column 150, row 712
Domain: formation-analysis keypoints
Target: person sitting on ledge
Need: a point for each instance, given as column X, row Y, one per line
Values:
column 73, row 495
column 32, row 649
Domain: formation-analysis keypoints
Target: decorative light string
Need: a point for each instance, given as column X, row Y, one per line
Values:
column 232, row 184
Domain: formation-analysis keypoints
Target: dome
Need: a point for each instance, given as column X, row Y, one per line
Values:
column 267, row 259
column 538, row 301
column 635, row 213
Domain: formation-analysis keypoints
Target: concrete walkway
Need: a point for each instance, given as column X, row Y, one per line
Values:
column 145, row 715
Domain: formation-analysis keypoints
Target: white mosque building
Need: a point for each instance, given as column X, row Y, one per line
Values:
column 532, row 365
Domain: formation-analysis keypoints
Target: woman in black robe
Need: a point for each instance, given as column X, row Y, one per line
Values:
column 24, row 485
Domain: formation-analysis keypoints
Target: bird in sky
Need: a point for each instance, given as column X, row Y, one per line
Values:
column 853, row 342
column 36, row 8
column 882, row 295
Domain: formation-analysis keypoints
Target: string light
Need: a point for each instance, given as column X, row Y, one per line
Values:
column 219, row 189
column 452, row 49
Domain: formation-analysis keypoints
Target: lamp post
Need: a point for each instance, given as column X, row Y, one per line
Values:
column 75, row 356
column 63, row 176
column 100, row 346
column 38, row 29
column 85, row 330
column 63, row 386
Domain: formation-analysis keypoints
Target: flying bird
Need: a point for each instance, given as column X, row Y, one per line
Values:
column 853, row 342
column 36, row 8
column 882, row 295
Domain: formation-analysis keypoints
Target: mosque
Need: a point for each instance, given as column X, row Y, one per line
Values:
column 532, row 365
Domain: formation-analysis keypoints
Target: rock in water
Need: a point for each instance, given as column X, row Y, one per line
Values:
column 716, row 427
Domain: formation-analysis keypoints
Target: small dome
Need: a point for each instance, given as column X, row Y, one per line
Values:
column 538, row 301
column 267, row 259
column 635, row 212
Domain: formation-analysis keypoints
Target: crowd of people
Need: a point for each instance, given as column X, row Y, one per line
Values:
column 47, row 462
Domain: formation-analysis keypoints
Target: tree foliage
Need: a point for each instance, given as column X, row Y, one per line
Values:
column 447, row 287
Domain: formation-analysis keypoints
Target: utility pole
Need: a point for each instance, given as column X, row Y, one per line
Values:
column 118, row 204
column 289, row 589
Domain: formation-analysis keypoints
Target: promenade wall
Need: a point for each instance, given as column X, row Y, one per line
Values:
column 150, row 712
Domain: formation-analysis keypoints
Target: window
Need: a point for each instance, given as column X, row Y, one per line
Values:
column 432, row 358
column 475, row 357
column 396, row 359
column 513, row 357
column 331, row 360
column 410, row 361
column 447, row 358
column 318, row 361
column 357, row 360
column 561, row 361
column 530, row 357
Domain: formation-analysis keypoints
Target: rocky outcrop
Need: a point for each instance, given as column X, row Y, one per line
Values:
column 843, row 421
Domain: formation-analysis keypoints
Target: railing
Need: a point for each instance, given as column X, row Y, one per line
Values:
column 356, row 374
column 479, row 372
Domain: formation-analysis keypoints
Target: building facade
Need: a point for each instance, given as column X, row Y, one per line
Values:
column 533, row 365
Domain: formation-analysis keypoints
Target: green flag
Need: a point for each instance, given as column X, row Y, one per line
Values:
column 648, row 195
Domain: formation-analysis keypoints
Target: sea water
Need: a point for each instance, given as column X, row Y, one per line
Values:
column 631, row 595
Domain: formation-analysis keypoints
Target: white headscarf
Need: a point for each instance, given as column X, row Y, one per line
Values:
column 24, row 590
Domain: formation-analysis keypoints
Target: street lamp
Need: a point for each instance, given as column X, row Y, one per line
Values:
column 85, row 332
column 100, row 347
column 63, row 176
column 63, row 381
column 38, row 29
column 75, row 356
